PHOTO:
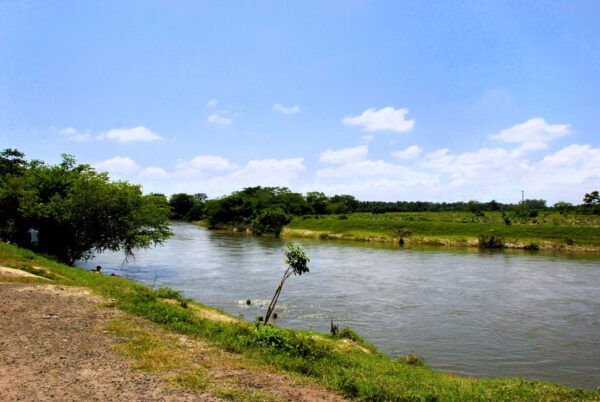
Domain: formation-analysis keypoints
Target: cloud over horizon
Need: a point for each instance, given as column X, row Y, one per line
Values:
column 384, row 119
column 286, row 110
column 121, row 135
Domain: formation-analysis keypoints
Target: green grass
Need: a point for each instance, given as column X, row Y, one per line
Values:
column 345, row 363
column 548, row 230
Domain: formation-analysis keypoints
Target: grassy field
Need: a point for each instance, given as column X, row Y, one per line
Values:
column 343, row 363
column 549, row 230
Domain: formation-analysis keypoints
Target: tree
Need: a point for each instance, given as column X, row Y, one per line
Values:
column 563, row 207
column 592, row 198
column 79, row 211
column 318, row 202
column 296, row 261
column 270, row 221
column 181, row 204
column 340, row 204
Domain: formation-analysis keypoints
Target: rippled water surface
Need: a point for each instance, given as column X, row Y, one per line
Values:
column 479, row 314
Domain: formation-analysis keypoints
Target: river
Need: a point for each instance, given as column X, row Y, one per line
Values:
column 482, row 314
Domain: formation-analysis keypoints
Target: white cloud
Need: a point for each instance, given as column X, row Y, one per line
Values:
column 219, row 120
column 205, row 162
column 212, row 103
column 528, row 147
column 153, row 172
column 126, row 135
column 118, row 164
column 411, row 152
column 535, row 130
column 123, row 135
column 345, row 155
column 286, row 110
column 385, row 119
column 76, row 135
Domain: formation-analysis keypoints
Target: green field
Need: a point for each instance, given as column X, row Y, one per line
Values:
column 549, row 230
column 344, row 363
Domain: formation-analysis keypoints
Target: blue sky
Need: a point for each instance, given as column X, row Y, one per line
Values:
column 386, row 100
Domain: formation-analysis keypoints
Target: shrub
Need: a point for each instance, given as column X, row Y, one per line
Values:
column 490, row 241
column 414, row 360
column 168, row 293
column 290, row 342
column 270, row 221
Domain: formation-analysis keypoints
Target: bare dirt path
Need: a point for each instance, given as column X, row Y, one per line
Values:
column 52, row 348
column 55, row 346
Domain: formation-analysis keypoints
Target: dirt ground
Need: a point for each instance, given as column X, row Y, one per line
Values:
column 54, row 347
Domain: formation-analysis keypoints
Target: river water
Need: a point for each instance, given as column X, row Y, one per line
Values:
column 483, row 314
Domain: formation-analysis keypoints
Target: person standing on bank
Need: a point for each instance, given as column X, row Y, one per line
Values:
column 34, row 235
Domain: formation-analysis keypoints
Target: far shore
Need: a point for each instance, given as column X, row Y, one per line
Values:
column 459, row 242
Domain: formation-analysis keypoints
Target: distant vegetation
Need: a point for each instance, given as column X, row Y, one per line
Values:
column 263, row 210
column 75, row 211
column 549, row 229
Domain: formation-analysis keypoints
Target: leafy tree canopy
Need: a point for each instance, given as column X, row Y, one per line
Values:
column 77, row 211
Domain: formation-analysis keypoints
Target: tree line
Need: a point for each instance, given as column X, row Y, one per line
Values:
column 267, row 209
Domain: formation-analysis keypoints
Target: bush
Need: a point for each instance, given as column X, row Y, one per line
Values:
column 168, row 293
column 290, row 342
column 414, row 360
column 490, row 241
column 270, row 221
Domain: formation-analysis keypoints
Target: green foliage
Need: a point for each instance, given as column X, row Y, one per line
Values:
column 297, row 264
column 166, row 292
column 186, row 206
column 79, row 211
column 454, row 228
column 296, row 259
column 592, row 198
column 180, row 204
column 260, row 208
column 318, row 202
column 270, row 221
column 490, row 241
column 414, row 360
column 290, row 342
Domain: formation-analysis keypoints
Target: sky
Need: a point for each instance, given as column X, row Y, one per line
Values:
column 383, row 100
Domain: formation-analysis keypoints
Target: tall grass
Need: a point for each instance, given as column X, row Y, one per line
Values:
column 457, row 228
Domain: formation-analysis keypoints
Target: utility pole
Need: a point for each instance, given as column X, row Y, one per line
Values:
column 522, row 202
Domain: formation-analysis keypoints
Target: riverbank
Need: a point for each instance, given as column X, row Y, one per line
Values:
column 183, row 341
column 548, row 231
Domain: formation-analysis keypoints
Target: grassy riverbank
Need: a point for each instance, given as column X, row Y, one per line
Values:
column 345, row 364
column 549, row 230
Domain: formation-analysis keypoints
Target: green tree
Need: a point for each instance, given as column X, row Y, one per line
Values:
column 318, row 202
column 592, row 198
column 563, row 207
column 271, row 220
column 297, row 264
column 342, row 204
column 181, row 204
column 79, row 211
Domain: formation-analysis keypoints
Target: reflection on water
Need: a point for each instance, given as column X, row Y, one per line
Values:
column 479, row 314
